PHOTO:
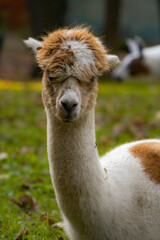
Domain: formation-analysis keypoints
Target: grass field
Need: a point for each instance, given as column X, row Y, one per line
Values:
column 28, row 208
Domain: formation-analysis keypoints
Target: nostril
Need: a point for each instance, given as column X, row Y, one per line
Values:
column 68, row 106
column 74, row 106
column 64, row 105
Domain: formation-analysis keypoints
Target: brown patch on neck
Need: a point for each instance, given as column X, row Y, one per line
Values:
column 138, row 67
column 149, row 154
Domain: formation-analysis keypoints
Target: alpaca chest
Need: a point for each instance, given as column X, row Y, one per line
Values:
column 76, row 191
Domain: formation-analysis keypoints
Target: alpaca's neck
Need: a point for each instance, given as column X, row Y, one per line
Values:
column 73, row 158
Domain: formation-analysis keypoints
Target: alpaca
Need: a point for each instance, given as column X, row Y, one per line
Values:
column 140, row 61
column 116, row 197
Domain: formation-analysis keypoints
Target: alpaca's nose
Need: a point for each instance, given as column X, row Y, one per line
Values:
column 69, row 105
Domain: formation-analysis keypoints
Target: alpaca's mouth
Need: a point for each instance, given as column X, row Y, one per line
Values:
column 68, row 119
column 69, row 116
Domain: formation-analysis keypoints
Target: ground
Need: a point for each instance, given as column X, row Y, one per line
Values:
column 125, row 112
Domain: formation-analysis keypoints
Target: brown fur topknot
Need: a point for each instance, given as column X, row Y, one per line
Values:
column 53, row 56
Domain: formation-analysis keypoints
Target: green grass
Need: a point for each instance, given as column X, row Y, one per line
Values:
column 124, row 112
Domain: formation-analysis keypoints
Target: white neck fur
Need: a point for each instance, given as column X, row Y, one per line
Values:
column 75, row 169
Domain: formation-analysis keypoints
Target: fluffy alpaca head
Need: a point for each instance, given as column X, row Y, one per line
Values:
column 71, row 59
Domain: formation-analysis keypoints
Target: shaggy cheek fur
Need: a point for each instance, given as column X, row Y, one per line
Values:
column 49, row 95
column 89, row 95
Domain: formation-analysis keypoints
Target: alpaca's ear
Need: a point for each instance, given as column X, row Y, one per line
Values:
column 113, row 61
column 34, row 44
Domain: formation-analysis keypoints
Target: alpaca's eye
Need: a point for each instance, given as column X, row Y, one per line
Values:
column 55, row 76
column 51, row 78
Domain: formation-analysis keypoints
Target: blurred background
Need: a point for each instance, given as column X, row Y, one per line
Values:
column 114, row 20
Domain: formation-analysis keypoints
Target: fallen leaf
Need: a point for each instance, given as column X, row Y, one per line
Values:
column 46, row 218
column 25, row 201
column 3, row 156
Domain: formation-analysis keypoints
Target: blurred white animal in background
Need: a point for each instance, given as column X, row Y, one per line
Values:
column 141, row 60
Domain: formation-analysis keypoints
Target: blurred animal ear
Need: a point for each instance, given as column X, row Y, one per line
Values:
column 113, row 61
column 34, row 44
column 141, row 43
column 133, row 46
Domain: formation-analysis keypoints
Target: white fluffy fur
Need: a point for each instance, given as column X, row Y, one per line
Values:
column 83, row 59
column 83, row 55
column 113, row 60
column 123, row 205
